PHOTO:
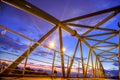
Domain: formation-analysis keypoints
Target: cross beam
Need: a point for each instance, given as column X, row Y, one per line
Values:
column 25, row 6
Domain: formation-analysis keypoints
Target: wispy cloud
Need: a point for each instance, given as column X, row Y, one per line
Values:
column 116, row 64
column 11, row 43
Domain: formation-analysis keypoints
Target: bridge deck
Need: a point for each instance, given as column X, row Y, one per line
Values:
column 41, row 78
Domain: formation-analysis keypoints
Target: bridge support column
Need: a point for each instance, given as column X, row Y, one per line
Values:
column 68, row 63
column 86, row 69
column 95, row 70
column 81, row 56
column 28, row 52
column 93, row 75
column 119, row 49
column 72, row 60
column 78, row 69
column 61, row 51
column 53, row 63
column 23, row 56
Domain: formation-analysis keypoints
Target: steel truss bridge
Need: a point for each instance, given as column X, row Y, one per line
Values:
column 67, row 62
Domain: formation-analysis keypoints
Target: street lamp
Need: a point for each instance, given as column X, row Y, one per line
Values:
column 52, row 44
column 63, row 49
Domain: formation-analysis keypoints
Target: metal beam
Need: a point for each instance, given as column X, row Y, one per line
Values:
column 102, row 34
column 117, row 8
column 9, row 30
column 119, row 49
column 89, row 27
column 78, row 69
column 72, row 60
column 28, row 52
column 99, row 41
column 81, row 55
column 113, row 54
column 27, row 7
column 100, row 23
column 23, row 56
column 93, row 52
column 105, row 39
column 109, row 61
column 20, row 35
column 106, row 46
column 95, row 66
column 86, row 69
column 61, row 51
column 100, row 64
column 53, row 63
column 23, row 5
column 92, row 66
column 105, row 50
column 68, row 62
column 108, row 58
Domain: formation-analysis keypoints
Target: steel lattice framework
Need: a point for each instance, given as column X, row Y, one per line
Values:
column 66, row 25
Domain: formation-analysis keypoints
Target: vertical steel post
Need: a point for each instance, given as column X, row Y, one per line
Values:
column 98, row 69
column 23, row 56
column 72, row 60
column 68, row 63
column 81, row 56
column 87, row 62
column 100, row 64
column 93, row 50
column 53, row 63
column 95, row 70
column 24, row 68
column 33, row 10
column 119, row 49
column 28, row 51
column 92, row 65
column 78, row 68
column 61, row 51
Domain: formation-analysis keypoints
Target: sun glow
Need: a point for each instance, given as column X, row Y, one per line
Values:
column 63, row 49
column 51, row 44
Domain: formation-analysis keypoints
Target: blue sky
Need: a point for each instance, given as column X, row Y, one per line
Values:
column 34, row 28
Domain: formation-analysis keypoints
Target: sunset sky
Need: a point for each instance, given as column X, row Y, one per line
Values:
column 34, row 27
